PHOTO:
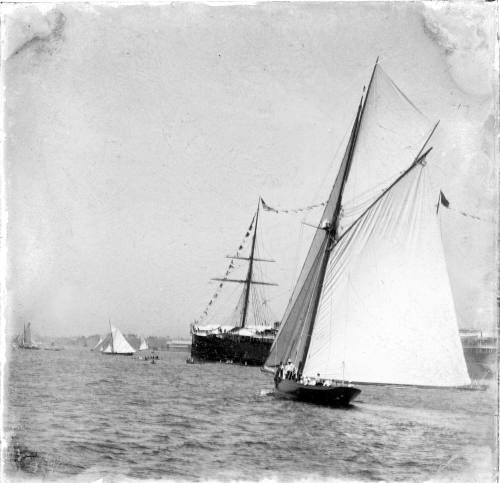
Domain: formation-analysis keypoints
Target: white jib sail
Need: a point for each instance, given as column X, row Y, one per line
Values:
column 99, row 344
column 120, row 344
column 386, row 312
column 144, row 344
column 107, row 349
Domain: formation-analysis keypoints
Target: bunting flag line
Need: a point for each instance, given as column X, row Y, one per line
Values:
column 266, row 207
column 230, row 267
column 443, row 201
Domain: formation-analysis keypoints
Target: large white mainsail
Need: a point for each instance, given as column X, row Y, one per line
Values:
column 374, row 303
column 386, row 312
column 120, row 345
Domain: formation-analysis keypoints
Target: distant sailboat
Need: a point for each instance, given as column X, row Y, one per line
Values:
column 98, row 346
column 144, row 345
column 116, row 343
column 24, row 339
column 373, row 303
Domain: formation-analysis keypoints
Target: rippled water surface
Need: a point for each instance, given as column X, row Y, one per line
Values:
column 84, row 415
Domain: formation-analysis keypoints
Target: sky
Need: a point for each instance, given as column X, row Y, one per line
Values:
column 139, row 138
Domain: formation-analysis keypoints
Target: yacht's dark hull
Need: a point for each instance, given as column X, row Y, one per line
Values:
column 337, row 396
column 251, row 351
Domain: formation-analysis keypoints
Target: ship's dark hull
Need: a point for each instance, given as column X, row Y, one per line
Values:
column 480, row 362
column 251, row 351
column 336, row 396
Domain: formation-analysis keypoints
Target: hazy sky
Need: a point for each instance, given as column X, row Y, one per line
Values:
column 139, row 138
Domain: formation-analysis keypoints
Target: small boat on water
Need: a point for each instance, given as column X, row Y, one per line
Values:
column 373, row 303
column 114, row 344
column 144, row 345
column 53, row 347
column 24, row 339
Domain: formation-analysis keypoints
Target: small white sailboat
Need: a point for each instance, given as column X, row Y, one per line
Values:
column 144, row 345
column 373, row 303
column 118, row 344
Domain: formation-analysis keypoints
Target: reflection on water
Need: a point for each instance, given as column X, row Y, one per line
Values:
column 76, row 414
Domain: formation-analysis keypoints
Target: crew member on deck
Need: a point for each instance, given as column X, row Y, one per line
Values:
column 289, row 369
column 278, row 375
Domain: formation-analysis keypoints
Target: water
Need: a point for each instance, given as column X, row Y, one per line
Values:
column 88, row 416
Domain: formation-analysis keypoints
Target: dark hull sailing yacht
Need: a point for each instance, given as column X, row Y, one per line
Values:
column 247, row 336
column 337, row 395
column 373, row 304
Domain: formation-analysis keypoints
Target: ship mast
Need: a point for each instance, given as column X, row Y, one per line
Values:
column 248, row 282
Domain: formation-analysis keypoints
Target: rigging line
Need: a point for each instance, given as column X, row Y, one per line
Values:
column 401, row 176
column 405, row 96
column 261, row 311
column 315, row 285
column 263, row 307
column 330, row 168
column 418, row 160
column 285, row 322
column 368, row 193
column 418, row 156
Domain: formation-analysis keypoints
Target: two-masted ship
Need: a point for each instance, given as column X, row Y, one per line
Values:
column 373, row 303
column 24, row 339
column 247, row 332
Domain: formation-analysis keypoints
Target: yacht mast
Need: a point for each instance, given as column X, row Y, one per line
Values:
column 332, row 225
column 248, row 282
